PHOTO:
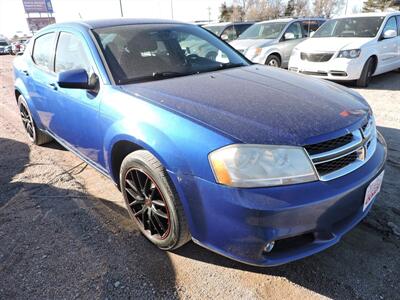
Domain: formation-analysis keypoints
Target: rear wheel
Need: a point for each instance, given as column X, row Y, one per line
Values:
column 152, row 201
column 366, row 73
column 35, row 135
column 273, row 61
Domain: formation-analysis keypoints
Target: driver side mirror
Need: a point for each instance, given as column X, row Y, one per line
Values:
column 390, row 33
column 289, row 36
column 77, row 79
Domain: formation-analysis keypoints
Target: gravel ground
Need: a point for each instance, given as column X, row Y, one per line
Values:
column 64, row 233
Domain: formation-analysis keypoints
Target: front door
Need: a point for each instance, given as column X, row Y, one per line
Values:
column 388, row 49
column 76, row 111
column 287, row 45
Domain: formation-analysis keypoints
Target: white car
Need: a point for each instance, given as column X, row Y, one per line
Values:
column 272, row 42
column 351, row 48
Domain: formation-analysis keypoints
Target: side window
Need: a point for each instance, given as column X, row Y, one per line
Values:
column 230, row 32
column 192, row 44
column 391, row 25
column 398, row 25
column 42, row 51
column 310, row 26
column 241, row 28
column 295, row 28
column 70, row 54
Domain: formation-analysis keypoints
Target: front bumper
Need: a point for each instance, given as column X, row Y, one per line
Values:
column 303, row 219
column 338, row 69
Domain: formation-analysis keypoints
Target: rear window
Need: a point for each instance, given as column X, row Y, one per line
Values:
column 42, row 51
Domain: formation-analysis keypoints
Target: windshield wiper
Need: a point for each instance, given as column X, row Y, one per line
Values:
column 154, row 76
column 229, row 66
column 168, row 74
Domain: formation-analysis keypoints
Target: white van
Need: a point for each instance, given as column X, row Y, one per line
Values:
column 351, row 48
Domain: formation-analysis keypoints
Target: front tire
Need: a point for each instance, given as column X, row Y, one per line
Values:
column 152, row 201
column 273, row 61
column 35, row 135
column 366, row 73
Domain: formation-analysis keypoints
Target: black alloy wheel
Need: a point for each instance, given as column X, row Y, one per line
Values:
column 35, row 135
column 147, row 204
column 152, row 201
column 27, row 121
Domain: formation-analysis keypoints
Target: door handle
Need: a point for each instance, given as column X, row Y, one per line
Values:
column 54, row 86
column 25, row 72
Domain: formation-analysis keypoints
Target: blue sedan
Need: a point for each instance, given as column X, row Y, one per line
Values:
column 255, row 163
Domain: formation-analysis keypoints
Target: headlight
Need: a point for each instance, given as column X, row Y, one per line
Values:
column 245, row 165
column 349, row 53
column 253, row 52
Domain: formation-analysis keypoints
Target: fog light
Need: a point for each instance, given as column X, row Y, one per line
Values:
column 268, row 247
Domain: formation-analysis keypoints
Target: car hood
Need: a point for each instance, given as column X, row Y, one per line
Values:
column 332, row 44
column 258, row 104
column 247, row 43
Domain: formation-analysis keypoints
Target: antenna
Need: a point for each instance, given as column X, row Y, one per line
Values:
column 120, row 7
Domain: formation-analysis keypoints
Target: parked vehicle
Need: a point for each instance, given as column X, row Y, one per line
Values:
column 18, row 47
column 351, row 48
column 228, row 31
column 272, row 42
column 258, row 164
column 4, row 47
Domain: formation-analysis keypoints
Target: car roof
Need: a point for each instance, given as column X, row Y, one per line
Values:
column 291, row 20
column 371, row 14
column 227, row 23
column 101, row 23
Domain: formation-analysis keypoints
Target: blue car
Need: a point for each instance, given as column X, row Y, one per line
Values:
column 258, row 164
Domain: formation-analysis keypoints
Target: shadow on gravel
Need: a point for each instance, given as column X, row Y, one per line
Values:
column 62, row 243
column 365, row 262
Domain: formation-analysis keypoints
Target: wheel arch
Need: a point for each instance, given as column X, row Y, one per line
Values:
column 375, row 58
column 119, row 151
column 276, row 53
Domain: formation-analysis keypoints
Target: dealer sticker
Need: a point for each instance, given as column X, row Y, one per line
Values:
column 372, row 190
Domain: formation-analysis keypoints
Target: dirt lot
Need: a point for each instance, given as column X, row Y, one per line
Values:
column 65, row 234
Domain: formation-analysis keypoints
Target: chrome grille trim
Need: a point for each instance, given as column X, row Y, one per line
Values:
column 353, row 166
column 363, row 145
column 341, row 151
column 316, row 56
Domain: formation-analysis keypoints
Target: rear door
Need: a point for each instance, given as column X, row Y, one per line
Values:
column 41, row 74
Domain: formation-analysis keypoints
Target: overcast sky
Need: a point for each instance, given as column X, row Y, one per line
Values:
column 12, row 16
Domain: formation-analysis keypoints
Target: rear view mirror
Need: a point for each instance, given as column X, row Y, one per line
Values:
column 225, row 37
column 390, row 33
column 289, row 36
column 75, row 79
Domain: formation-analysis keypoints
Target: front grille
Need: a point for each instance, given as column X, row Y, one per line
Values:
column 337, row 164
column 337, row 157
column 329, row 145
column 316, row 57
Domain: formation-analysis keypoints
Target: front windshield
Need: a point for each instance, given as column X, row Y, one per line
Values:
column 146, row 52
column 216, row 29
column 263, row 31
column 364, row 27
column 2, row 43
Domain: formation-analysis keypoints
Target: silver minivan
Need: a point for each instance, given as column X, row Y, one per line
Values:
column 272, row 42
